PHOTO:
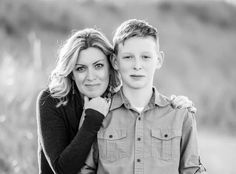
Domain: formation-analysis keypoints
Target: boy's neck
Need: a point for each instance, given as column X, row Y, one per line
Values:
column 138, row 97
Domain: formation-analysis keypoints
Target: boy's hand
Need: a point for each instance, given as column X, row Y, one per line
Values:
column 182, row 102
column 99, row 104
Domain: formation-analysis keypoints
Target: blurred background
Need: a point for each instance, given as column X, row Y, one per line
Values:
column 199, row 41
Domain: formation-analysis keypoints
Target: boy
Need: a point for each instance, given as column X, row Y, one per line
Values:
column 142, row 133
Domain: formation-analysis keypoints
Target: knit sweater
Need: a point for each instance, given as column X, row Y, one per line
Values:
column 62, row 149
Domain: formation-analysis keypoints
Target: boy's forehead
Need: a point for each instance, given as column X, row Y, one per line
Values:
column 141, row 42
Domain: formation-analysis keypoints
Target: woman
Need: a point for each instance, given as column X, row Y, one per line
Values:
column 83, row 69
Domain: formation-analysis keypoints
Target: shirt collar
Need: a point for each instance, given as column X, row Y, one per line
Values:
column 160, row 99
column 119, row 99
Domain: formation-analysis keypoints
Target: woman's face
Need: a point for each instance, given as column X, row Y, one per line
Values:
column 91, row 72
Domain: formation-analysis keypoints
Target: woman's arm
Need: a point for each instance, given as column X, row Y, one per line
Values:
column 63, row 156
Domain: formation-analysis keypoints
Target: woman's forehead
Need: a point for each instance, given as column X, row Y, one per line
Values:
column 91, row 55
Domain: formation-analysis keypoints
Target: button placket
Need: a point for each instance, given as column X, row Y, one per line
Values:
column 139, row 145
column 166, row 147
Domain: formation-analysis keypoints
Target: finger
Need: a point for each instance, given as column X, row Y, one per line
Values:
column 182, row 102
column 86, row 100
column 109, row 101
column 179, row 104
column 192, row 110
column 172, row 97
column 184, row 106
column 181, row 98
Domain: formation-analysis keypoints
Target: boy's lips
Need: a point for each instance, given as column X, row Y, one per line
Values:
column 137, row 77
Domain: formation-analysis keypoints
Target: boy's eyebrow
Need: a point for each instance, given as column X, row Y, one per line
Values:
column 146, row 52
column 126, row 52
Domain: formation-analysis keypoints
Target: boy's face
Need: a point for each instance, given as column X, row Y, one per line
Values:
column 137, row 60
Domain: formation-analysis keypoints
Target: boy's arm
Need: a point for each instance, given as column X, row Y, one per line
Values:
column 91, row 162
column 190, row 158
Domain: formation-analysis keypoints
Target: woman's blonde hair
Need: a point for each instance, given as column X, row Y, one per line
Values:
column 60, row 81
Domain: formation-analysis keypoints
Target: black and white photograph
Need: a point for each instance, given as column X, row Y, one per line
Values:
column 117, row 87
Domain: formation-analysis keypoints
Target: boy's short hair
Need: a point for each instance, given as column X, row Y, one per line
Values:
column 133, row 28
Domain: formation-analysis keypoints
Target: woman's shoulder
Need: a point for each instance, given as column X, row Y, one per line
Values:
column 45, row 97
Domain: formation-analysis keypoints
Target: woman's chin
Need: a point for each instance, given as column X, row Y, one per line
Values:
column 93, row 95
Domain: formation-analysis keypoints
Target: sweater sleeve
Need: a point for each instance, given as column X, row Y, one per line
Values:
column 64, row 156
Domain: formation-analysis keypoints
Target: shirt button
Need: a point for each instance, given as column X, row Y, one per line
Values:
column 166, row 135
column 138, row 160
column 110, row 136
column 139, row 118
column 139, row 139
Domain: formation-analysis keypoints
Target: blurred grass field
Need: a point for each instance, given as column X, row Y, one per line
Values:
column 199, row 41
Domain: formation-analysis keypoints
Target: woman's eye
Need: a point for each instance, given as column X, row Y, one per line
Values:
column 99, row 65
column 80, row 69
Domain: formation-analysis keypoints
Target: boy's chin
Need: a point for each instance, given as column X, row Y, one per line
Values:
column 137, row 86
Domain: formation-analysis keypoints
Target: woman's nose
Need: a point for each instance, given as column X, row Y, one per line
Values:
column 90, row 75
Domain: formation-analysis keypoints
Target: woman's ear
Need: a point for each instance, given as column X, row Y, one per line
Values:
column 114, row 62
column 160, row 59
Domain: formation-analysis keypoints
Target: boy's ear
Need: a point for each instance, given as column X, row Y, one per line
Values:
column 114, row 62
column 160, row 59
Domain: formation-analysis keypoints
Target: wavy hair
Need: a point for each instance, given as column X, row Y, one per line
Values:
column 60, row 81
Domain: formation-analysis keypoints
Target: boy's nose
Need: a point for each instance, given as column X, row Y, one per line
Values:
column 137, row 64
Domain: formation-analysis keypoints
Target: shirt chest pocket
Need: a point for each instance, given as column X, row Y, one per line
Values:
column 166, row 143
column 112, row 144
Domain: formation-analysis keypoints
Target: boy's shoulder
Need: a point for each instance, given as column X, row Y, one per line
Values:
column 167, row 102
column 116, row 100
column 160, row 99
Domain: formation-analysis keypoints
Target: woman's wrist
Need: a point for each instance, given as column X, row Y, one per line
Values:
column 93, row 120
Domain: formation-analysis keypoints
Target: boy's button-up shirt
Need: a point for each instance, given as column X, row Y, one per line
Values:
column 159, row 140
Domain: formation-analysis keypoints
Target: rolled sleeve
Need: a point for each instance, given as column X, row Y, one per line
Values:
column 190, row 158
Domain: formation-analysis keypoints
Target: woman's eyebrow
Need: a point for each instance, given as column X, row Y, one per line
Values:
column 99, row 61
column 93, row 63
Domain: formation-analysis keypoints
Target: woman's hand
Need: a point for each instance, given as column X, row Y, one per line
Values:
column 182, row 102
column 99, row 104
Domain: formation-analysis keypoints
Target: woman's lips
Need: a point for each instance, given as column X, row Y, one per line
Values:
column 91, row 85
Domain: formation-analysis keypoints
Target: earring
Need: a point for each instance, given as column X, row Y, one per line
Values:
column 73, row 87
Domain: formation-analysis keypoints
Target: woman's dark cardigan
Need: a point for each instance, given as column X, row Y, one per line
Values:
column 62, row 149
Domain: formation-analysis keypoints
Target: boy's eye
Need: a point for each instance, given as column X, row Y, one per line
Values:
column 146, row 57
column 127, row 57
column 80, row 69
column 99, row 65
